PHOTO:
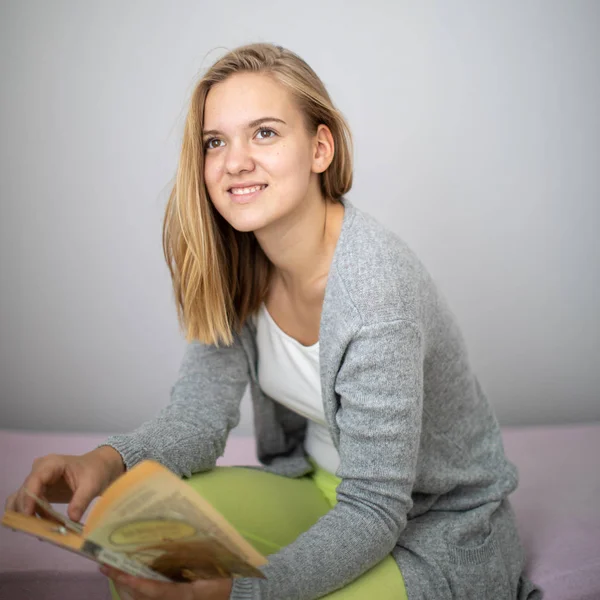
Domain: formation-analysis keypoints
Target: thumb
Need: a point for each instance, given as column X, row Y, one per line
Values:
column 81, row 499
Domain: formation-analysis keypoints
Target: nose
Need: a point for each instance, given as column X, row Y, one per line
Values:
column 238, row 158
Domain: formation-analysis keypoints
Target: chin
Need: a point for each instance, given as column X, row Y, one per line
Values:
column 252, row 217
column 247, row 223
column 255, row 215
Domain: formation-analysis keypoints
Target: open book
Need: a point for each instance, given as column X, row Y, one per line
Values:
column 152, row 524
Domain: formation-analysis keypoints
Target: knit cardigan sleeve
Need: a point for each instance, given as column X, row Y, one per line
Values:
column 189, row 434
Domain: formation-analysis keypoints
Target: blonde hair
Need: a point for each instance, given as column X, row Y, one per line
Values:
column 220, row 275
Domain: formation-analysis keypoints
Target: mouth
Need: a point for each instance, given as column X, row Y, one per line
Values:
column 242, row 195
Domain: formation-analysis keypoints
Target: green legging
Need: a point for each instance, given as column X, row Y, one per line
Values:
column 276, row 510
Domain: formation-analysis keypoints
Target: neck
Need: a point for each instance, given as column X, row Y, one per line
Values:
column 301, row 247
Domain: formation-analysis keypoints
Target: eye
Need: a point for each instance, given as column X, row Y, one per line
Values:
column 209, row 144
column 265, row 133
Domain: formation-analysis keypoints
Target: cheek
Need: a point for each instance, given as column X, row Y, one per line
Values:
column 213, row 172
column 290, row 164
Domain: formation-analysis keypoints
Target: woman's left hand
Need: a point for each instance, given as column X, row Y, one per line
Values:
column 146, row 589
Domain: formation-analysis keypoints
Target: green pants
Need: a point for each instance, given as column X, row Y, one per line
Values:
column 275, row 510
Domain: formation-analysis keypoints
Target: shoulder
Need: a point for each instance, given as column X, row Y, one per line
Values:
column 379, row 273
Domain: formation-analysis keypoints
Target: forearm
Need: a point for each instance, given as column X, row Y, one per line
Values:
column 181, row 447
column 189, row 434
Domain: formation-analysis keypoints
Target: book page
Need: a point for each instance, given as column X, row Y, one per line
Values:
column 156, row 518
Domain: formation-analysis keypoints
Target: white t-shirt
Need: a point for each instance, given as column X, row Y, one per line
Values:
column 289, row 373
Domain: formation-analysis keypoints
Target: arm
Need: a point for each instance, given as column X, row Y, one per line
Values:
column 380, row 386
column 189, row 434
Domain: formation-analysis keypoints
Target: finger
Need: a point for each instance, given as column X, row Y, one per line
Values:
column 85, row 492
column 141, row 589
column 148, row 589
column 44, row 473
column 24, row 503
column 11, row 502
column 124, row 580
column 126, row 593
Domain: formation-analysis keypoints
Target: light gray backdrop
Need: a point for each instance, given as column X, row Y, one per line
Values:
column 477, row 135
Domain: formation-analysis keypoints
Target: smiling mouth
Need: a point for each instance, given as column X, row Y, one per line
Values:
column 238, row 191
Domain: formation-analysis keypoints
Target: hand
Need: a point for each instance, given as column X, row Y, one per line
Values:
column 66, row 478
column 138, row 588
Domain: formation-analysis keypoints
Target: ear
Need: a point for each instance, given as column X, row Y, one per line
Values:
column 324, row 149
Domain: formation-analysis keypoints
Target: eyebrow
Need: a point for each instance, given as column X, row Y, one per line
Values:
column 250, row 125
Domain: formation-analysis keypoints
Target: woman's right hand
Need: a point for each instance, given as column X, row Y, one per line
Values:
column 67, row 478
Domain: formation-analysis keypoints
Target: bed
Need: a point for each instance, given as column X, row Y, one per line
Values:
column 557, row 505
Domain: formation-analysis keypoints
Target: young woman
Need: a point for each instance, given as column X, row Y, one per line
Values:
column 384, row 471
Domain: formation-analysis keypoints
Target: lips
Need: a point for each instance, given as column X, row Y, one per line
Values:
column 248, row 189
column 246, row 194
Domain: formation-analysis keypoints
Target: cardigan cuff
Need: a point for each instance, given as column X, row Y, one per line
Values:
column 130, row 452
column 244, row 588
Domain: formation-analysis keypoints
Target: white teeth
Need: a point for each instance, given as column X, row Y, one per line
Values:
column 248, row 190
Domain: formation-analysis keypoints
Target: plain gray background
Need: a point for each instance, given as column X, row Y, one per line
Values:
column 477, row 134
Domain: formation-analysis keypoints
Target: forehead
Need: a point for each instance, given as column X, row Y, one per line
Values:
column 245, row 97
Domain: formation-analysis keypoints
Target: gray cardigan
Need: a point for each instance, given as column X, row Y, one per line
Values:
column 415, row 432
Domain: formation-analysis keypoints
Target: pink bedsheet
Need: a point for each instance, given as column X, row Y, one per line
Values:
column 557, row 505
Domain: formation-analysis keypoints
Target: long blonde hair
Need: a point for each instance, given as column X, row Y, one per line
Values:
column 220, row 275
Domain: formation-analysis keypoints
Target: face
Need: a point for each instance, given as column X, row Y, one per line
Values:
column 261, row 162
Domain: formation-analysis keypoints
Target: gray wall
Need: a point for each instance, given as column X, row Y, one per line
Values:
column 477, row 140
